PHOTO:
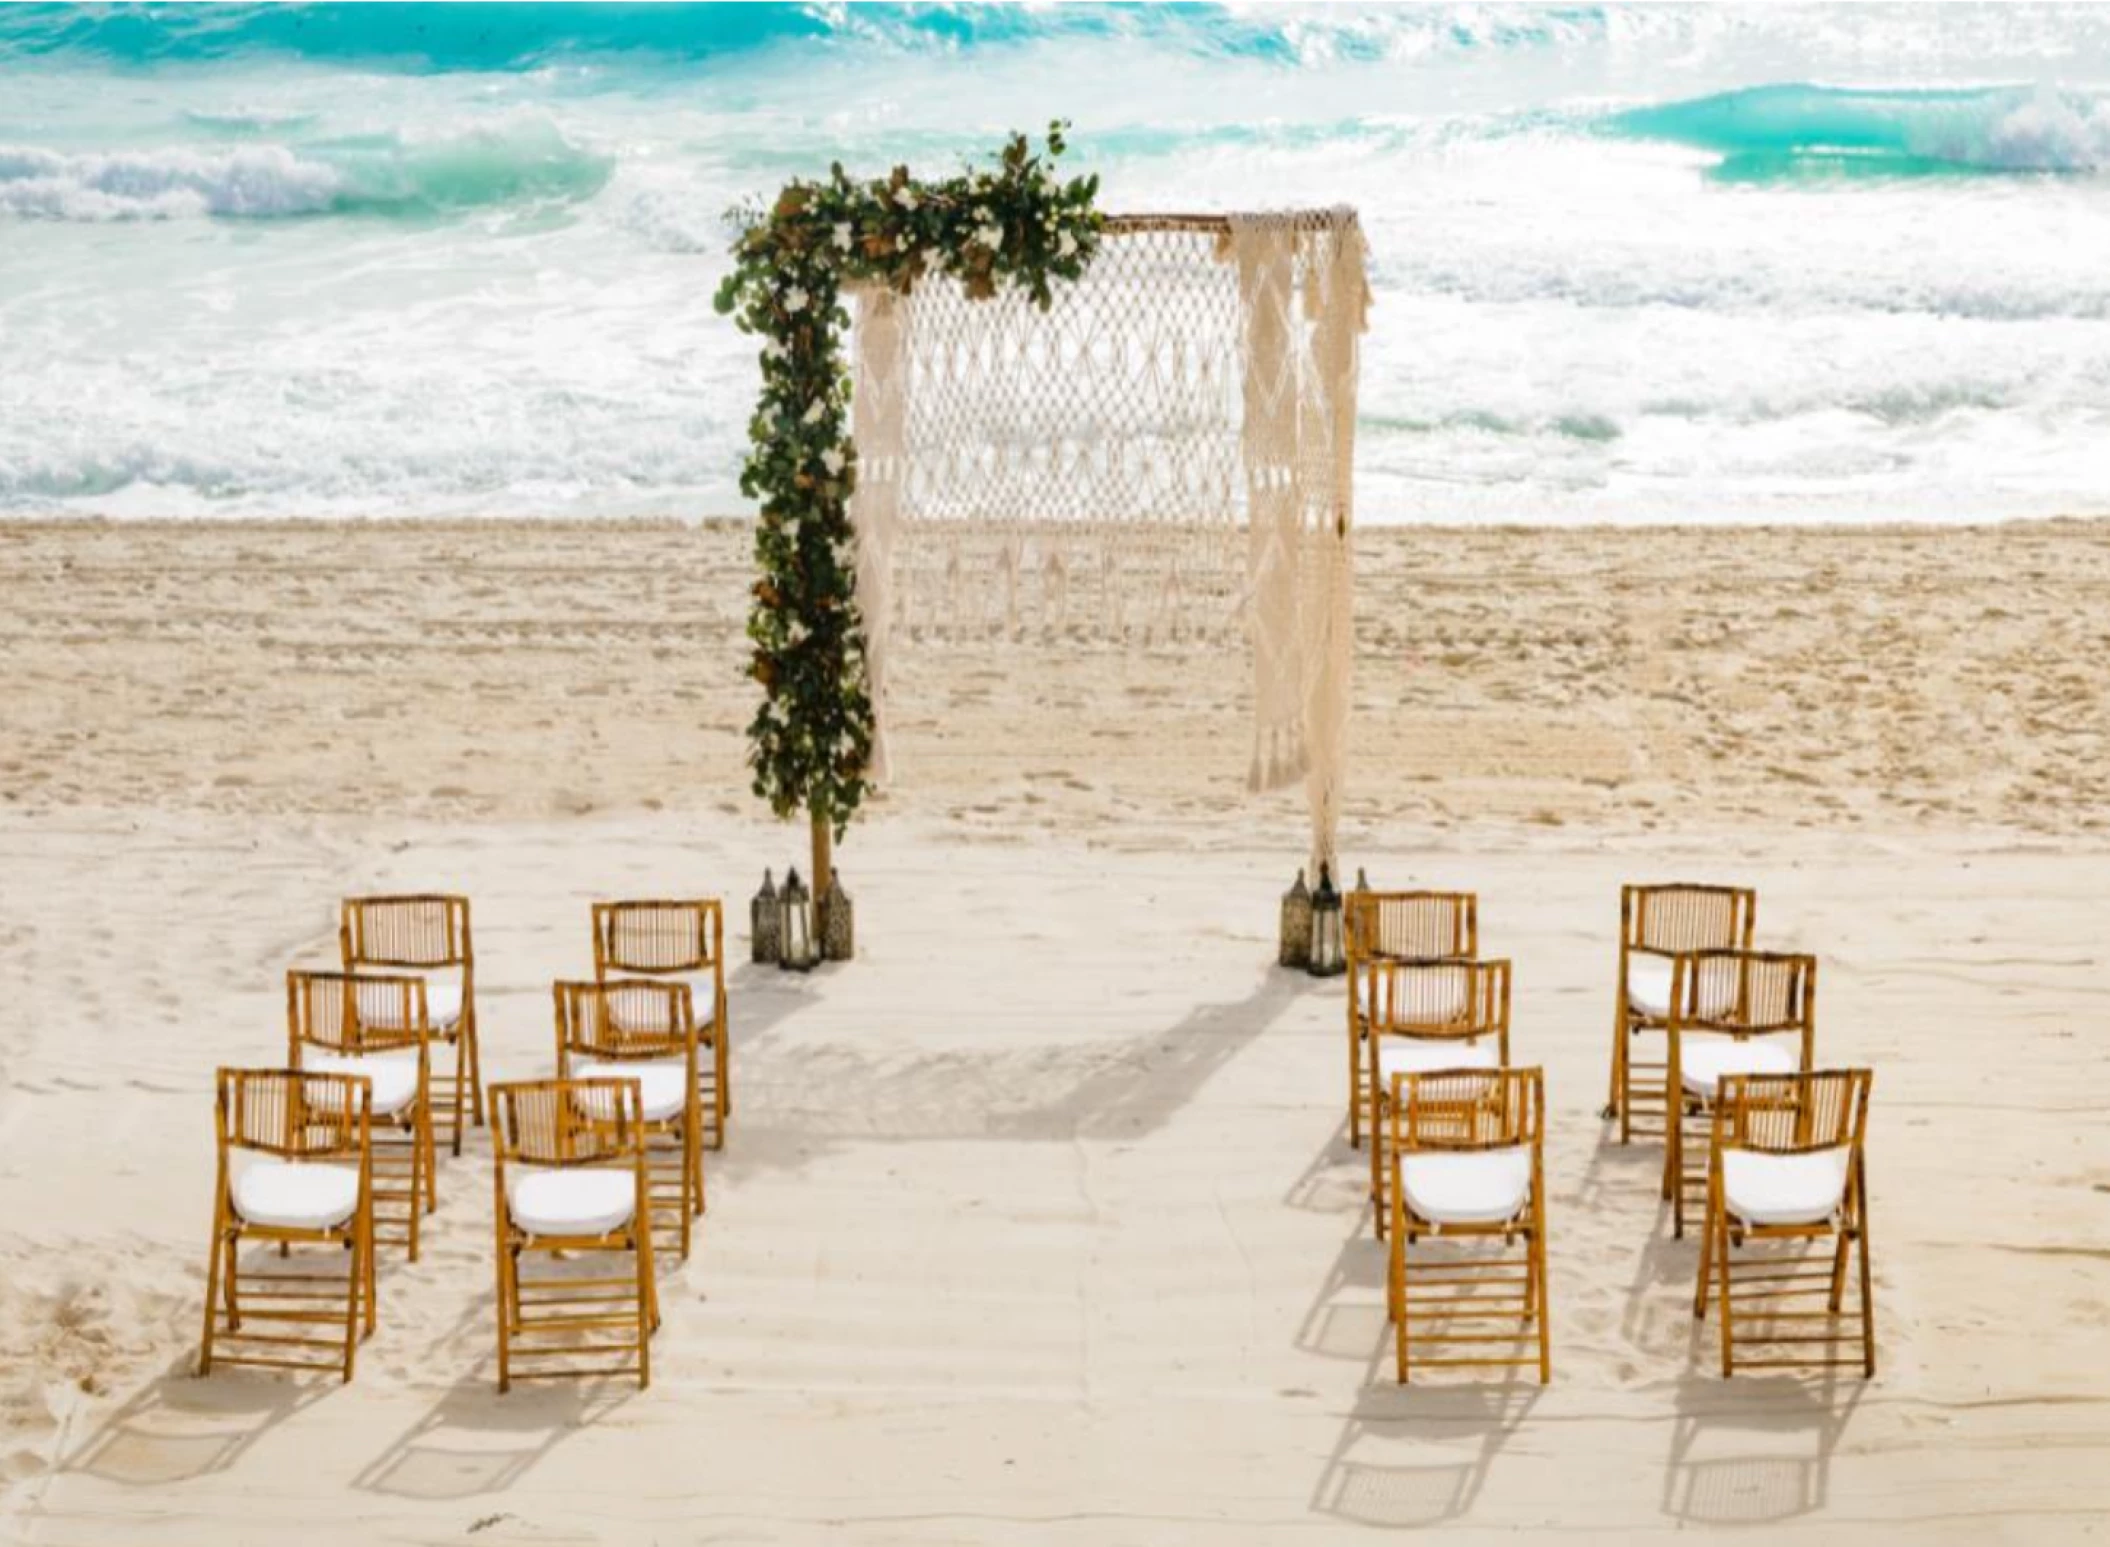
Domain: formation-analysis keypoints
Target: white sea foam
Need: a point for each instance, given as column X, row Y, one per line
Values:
column 163, row 184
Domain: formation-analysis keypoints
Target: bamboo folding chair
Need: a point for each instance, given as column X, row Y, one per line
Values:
column 1731, row 1012
column 1468, row 1162
column 645, row 1030
column 1424, row 1016
column 684, row 941
column 568, row 1165
column 428, row 935
column 1383, row 927
column 1788, row 1165
column 375, row 1027
column 1656, row 923
column 295, row 1168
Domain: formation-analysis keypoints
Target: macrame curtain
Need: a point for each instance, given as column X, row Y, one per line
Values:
column 1167, row 452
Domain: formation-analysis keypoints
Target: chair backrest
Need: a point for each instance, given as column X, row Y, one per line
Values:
column 624, row 1018
column 1439, row 998
column 1686, row 917
column 1794, row 1114
column 1744, row 993
column 594, row 1122
column 654, row 937
column 429, row 930
column 1468, row 1109
column 292, row 1114
column 1411, row 926
column 1403, row 926
column 350, row 1012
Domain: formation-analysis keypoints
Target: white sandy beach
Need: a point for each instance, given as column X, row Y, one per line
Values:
column 1038, row 1223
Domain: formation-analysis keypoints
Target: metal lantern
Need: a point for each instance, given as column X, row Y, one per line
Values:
column 1295, row 947
column 764, row 927
column 838, row 937
column 1325, row 960
column 797, row 949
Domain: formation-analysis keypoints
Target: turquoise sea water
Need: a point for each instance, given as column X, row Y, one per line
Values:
column 1630, row 262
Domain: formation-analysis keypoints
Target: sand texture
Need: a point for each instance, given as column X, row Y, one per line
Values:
column 1039, row 1223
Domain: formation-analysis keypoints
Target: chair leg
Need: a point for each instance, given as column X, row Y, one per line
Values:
column 1728, row 1331
column 230, row 1243
column 508, row 1293
column 1543, row 1306
column 366, row 1258
column 1699, row 1295
column 1399, row 1327
column 354, row 1283
column 476, row 1071
column 1623, row 1076
column 1616, row 1085
column 461, row 1084
column 721, row 1059
column 1378, row 1201
column 691, row 1142
column 212, row 1297
column 1674, row 1163
column 417, row 1187
column 1868, row 1297
column 647, row 1307
column 1355, row 1084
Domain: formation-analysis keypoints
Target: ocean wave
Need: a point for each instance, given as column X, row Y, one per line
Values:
column 500, row 37
column 1792, row 131
column 381, row 174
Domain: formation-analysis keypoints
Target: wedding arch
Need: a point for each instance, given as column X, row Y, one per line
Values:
column 1051, row 424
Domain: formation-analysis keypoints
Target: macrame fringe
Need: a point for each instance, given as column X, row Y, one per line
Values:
column 1279, row 760
column 1165, row 454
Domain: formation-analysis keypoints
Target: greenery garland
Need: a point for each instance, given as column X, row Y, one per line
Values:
column 1013, row 225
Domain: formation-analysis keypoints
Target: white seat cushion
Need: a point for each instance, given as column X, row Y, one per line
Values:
column 1471, row 1187
column 1648, row 987
column 581, row 1202
column 1763, row 1189
column 443, row 997
column 663, row 1083
column 394, row 1076
column 295, row 1195
column 1420, row 1055
column 703, row 996
column 1704, row 1059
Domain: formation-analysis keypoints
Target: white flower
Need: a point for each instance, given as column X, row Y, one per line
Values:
column 814, row 410
column 832, row 460
column 1068, row 245
column 991, row 237
column 795, row 299
column 981, row 213
column 771, row 349
column 905, row 197
column 842, row 235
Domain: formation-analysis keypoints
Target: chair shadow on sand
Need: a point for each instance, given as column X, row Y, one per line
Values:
column 178, row 1427
column 1754, row 1451
column 1419, row 1455
column 475, row 1442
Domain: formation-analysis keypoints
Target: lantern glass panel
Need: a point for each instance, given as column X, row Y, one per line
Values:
column 795, row 939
